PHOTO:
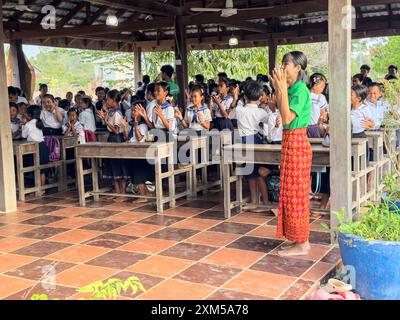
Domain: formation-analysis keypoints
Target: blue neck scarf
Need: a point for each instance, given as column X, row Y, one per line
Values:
column 114, row 111
column 196, row 111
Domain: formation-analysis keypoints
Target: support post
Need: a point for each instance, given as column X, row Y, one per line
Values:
column 340, row 93
column 272, row 51
column 137, row 59
column 181, row 64
column 8, row 195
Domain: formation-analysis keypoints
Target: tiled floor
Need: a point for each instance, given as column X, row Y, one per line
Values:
column 190, row 252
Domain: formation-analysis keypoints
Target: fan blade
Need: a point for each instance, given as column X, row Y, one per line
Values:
column 259, row 8
column 205, row 9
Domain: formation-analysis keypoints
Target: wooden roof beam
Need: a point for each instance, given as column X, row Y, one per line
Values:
column 150, row 7
column 71, row 14
column 248, row 26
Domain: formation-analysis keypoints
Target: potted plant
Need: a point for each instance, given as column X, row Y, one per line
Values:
column 371, row 247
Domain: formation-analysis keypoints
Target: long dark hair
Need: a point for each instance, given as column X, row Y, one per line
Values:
column 299, row 59
column 115, row 95
column 316, row 79
column 34, row 113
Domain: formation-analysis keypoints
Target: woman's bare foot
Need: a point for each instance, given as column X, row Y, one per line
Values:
column 287, row 244
column 299, row 249
column 250, row 207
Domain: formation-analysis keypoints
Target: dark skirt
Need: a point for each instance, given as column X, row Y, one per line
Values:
column 255, row 139
column 313, row 131
column 223, row 124
column 115, row 168
column 52, row 132
column 139, row 170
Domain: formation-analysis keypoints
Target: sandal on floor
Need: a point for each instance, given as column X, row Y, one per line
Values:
column 338, row 286
column 249, row 207
column 320, row 294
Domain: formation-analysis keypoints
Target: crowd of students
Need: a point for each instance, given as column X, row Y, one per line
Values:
column 249, row 106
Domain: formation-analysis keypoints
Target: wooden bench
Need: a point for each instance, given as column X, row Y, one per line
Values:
column 23, row 148
column 151, row 151
column 66, row 144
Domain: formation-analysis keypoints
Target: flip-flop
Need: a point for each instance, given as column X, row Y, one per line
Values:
column 335, row 285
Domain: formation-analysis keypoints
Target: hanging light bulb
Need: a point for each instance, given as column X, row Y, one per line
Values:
column 233, row 41
column 112, row 20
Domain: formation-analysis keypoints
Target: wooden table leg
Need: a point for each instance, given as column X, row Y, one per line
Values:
column 227, row 190
column 81, row 183
column 95, row 179
column 171, row 182
column 36, row 164
column 20, row 176
column 158, row 182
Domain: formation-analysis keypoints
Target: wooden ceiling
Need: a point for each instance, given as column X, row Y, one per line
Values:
column 150, row 24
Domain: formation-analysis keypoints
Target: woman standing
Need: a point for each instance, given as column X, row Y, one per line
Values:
column 294, row 103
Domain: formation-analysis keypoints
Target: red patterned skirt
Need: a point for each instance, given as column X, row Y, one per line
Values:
column 295, row 185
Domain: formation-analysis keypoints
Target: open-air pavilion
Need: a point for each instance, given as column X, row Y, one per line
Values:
column 191, row 251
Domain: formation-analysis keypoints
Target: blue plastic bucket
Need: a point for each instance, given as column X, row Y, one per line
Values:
column 394, row 204
column 376, row 265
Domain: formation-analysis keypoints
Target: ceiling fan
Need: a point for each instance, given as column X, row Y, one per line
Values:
column 20, row 6
column 228, row 11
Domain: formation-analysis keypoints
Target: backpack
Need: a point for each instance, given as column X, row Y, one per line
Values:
column 54, row 148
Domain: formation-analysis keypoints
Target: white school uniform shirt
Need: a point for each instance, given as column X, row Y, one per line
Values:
column 361, row 114
column 86, row 118
column 49, row 118
column 377, row 111
column 169, row 113
column 38, row 100
column 272, row 133
column 15, row 126
column 193, row 121
column 150, row 108
column 31, row 133
column 114, row 118
column 143, row 130
column 79, row 130
column 22, row 100
column 225, row 103
column 249, row 118
column 318, row 103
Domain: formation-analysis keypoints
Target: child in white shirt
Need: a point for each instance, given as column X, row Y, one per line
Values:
column 53, row 117
column 74, row 128
column 86, row 116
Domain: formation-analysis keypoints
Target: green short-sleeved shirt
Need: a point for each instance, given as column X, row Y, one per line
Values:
column 173, row 90
column 300, row 103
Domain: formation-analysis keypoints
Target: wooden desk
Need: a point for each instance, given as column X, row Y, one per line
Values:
column 151, row 151
column 257, row 154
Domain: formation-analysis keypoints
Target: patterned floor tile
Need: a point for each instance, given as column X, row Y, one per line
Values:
column 297, row 290
column 318, row 271
column 11, row 285
column 224, row 294
column 177, row 290
column 42, row 249
column 72, row 223
column 210, row 274
column 98, row 214
column 175, row 234
column 161, row 220
column 196, row 224
column 264, row 232
column 129, row 216
column 117, row 259
column 10, row 261
column 14, row 229
column 82, row 275
column 211, row 214
column 42, row 233
column 188, row 251
column 42, row 220
column 332, row 256
column 58, row 292
column 148, row 245
column 137, row 229
column 110, row 240
column 260, row 283
column 10, row 244
column 320, row 237
column 282, row 265
column 78, row 253
column 232, row 227
column 255, row 244
column 75, row 236
column 201, row 204
column 161, row 266
column 217, row 239
column 39, row 269
column 103, row 225
column 234, row 258
column 44, row 209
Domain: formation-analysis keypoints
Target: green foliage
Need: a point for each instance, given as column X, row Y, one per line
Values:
column 379, row 223
column 392, row 186
column 108, row 290
column 61, row 70
column 385, row 55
